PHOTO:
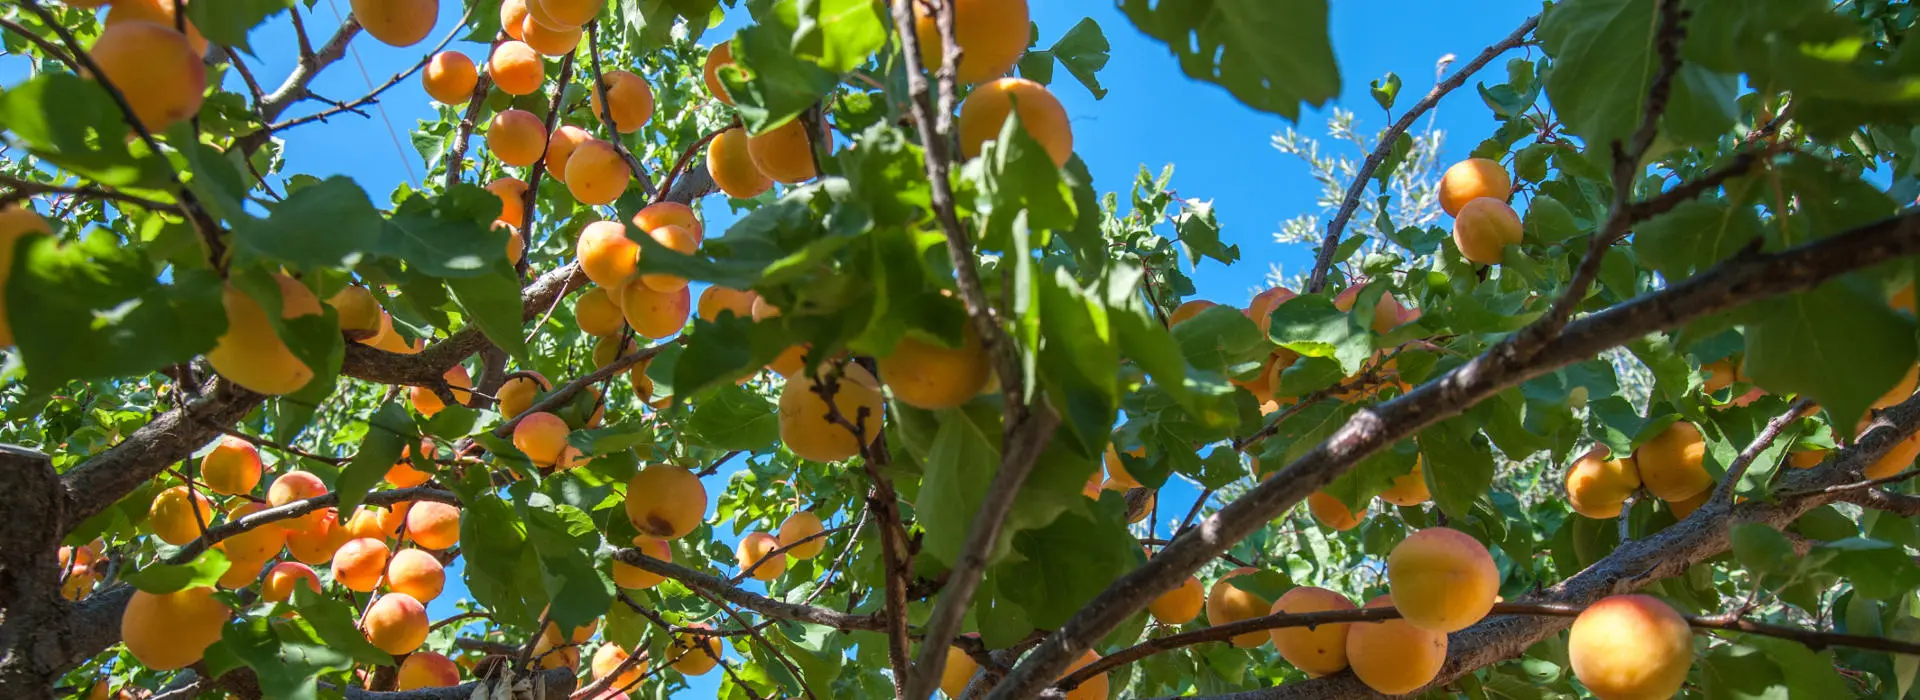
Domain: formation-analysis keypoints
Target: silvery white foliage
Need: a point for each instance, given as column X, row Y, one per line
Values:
column 1413, row 189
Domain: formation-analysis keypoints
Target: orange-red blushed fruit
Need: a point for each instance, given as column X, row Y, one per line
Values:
column 516, row 68
column 450, row 77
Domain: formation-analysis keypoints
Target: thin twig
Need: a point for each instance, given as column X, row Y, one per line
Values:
column 374, row 95
column 456, row 156
column 1723, row 493
column 781, row 551
column 606, row 112
column 686, row 157
column 23, row 188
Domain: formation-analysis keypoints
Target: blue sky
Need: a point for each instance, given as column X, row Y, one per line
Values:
column 1154, row 115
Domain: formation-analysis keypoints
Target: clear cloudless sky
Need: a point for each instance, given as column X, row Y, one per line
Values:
column 1153, row 116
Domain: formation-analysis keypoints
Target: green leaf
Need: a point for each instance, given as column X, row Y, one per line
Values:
column 1702, row 106
column 1199, row 231
column 287, row 657
column 1385, row 90
column 1067, row 563
column 839, row 35
column 794, row 55
column 1549, row 221
column 227, row 23
column 1311, row 326
column 1271, row 54
column 962, row 462
column 734, row 418
column 389, row 432
column 1694, row 236
column 564, row 538
column 1740, row 672
column 204, row 570
column 1220, row 337
column 330, row 224
column 502, row 571
column 448, row 236
column 1604, row 63
column 1839, row 346
column 1015, row 176
column 1761, row 549
column 492, row 302
column 94, row 309
column 1459, row 465
column 1083, row 50
column 333, row 621
column 72, row 122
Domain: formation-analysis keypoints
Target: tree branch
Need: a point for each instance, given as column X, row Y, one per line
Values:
column 458, row 154
column 1744, row 460
column 1747, row 276
column 1322, row 264
column 606, row 112
column 751, row 601
column 307, row 68
column 372, row 96
column 549, row 683
column 23, row 188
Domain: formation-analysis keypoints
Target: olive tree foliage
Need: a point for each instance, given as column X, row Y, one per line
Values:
column 1707, row 188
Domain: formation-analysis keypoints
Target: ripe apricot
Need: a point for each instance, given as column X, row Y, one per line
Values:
column 932, row 376
column 403, row 475
column 541, row 436
column 633, row 577
column 785, row 153
column 716, row 299
column 1629, row 647
column 278, row 585
column 720, row 57
column 168, row 631
column 516, row 68
column 1094, row 688
column 427, row 669
column 155, row 68
column 790, row 361
column 517, row 138
column 608, row 348
column 730, row 162
column 548, row 654
column 798, row 527
column 1117, row 468
column 513, row 13
column 549, row 42
column 1483, row 229
column 396, row 623
column 1263, row 304
column 1226, row 604
column 1188, row 310
column 518, row 393
column 1333, row 514
column 628, row 96
column 1442, row 579
column 1671, row 464
column 608, row 659
column 251, row 352
column 606, row 255
column 512, row 192
column 693, row 654
column 429, row 404
column 1806, row 459
column 1904, row 299
column 1393, row 657
column 416, row 573
column 1320, row 650
column 15, row 222
column 654, row 314
column 1720, row 374
column 1387, row 314
column 560, row 147
column 806, row 424
column 680, row 241
column 317, row 545
column 1180, row 605
column 660, row 214
column 77, row 582
column 1472, row 179
column 159, row 12
column 397, row 22
column 596, row 174
column 1901, row 390
column 958, row 672
column 358, row 312
column 984, row 111
column 753, row 556
column 992, row 34
column 666, row 501
column 596, row 313
column 231, row 467
column 450, row 77
column 255, row 545
column 433, row 525
column 574, row 636
column 358, row 564
column 173, row 518
column 1597, row 486
column 1409, row 489
column 1896, row 459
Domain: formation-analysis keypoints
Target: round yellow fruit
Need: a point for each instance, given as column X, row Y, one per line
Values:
column 397, row 22
column 931, row 376
column 596, row 174
column 666, row 501
column 450, row 77
column 1180, row 605
column 984, row 111
column 654, row 314
column 1472, row 179
column 232, row 467
column 730, row 162
column 630, row 98
column 992, row 35
column 1597, row 486
column 1320, row 650
column 1333, row 514
column 784, row 153
column 958, row 672
column 1409, row 489
column 635, row 578
column 1672, row 464
column 168, row 631
column 155, row 68
column 754, row 555
column 516, row 68
column 251, row 352
column 1442, row 579
column 1484, row 228
column 517, row 394
column 720, row 57
column 178, row 515
column 807, row 426
column 1393, row 657
column 799, row 527
column 396, row 623
column 606, row 255
column 1630, row 647
column 517, row 138
column 1226, row 603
